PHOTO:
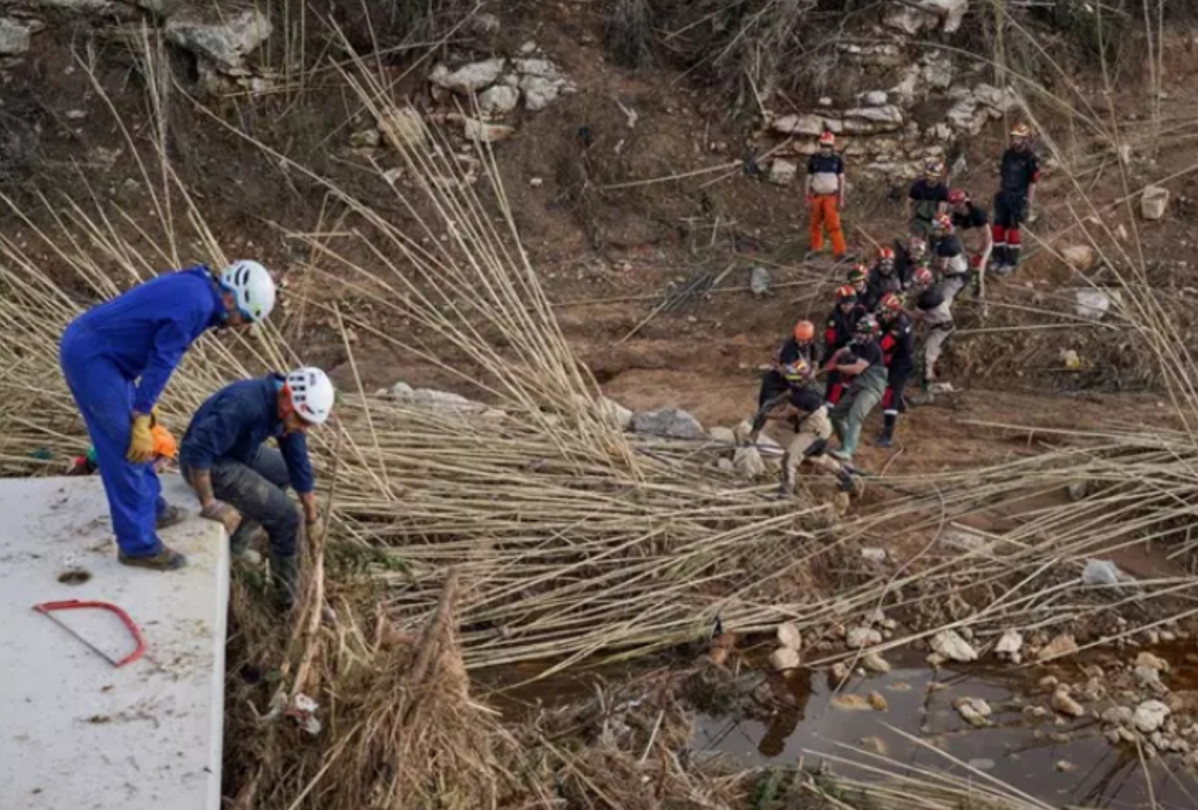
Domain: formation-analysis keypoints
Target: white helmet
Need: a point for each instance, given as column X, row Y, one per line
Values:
column 312, row 394
column 252, row 288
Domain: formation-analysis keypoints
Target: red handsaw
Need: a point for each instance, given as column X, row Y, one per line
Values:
column 47, row 609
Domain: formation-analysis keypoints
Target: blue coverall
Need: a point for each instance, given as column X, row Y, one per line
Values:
column 117, row 357
column 226, row 438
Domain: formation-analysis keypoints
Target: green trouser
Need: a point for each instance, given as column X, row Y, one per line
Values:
column 851, row 411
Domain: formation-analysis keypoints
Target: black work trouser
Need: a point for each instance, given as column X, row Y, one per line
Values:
column 258, row 491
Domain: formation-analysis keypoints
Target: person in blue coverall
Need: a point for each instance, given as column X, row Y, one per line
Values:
column 234, row 475
column 118, row 356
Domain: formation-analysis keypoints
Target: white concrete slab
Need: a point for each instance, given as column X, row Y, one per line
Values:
column 75, row 732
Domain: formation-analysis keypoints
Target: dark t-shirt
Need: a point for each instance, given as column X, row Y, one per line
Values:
column 974, row 217
column 870, row 352
column 898, row 345
column 948, row 247
column 791, row 351
column 1018, row 171
column 825, row 164
column 805, row 399
column 923, row 191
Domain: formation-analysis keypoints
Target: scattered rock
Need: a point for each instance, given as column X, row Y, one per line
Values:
column 402, row 127
column 851, row 703
column 1077, row 490
column 784, row 659
column 224, row 36
column 1080, row 257
column 809, row 125
column 14, row 38
column 1009, row 645
column 840, row 672
column 1149, row 661
column 952, row 647
column 1100, row 572
column 1092, row 304
column 442, row 400
column 365, row 138
column 671, row 423
column 1118, row 716
column 1063, row 703
column 789, row 636
column 1153, row 202
column 935, row 660
column 782, row 171
column 1150, row 715
column 973, row 710
column 964, row 540
column 1048, row 682
column 469, row 78
column 873, row 98
column 725, row 464
column 877, row 702
column 541, row 82
column 1064, row 765
column 1059, row 646
column 498, row 100
column 908, row 19
column 875, row 555
column 858, row 637
column 885, row 117
column 966, row 116
column 1149, row 678
column 722, row 435
column 613, row 413
column 1000, row 101
column 748, row 463
column 760, row 279
column 480, row 131
column 875, row 663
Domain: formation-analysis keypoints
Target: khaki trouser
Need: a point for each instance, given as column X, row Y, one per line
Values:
column 815, row 427
column 934, row 347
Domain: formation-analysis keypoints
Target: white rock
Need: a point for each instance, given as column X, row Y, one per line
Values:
column 402, row 391
column 965, row 116
column 748, row 463
column 997, row 99
column 873, row 98
column 224, row 36
column 1150, row 661
column 1079, row 257
column 1148, row 678
column 1009, row 644
column 1092, row 304
column 964, row 540
column 862, row 637
column 1154, row 202
column 536, row 182
column 365, row 138
column 741, row 432
column 613, row 413
column 1077, row 490
column 875, row 663
column 885, row 114
column 671, row 423
column 789, row 636
column 1061, row 645
column 1150, row 716
column 528, row 47
column 498, row 100
column 14, row 37
column 469, row 78
column 952, row 12
column 402, row 127
column 940, row 131
column 954, row 648
column 1063, row 703
column 810, row 125
column 974, row 711
column 1100, row 572
column 784, row 658
column 722, row 435
column 480, row 131
column 877, row 555
column 937, row 70
column 725, row 464
column 782, row 172
column 824, row 101
column 442, row 400
column 907, row 19
column 1118, row 716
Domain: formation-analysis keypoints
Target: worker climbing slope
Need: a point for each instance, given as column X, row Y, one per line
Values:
column 118, row 357
column 224, row 460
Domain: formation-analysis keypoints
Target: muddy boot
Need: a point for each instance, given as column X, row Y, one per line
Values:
column 170, row 515
column 241, row 543
column 284, row 575
column 166, row 559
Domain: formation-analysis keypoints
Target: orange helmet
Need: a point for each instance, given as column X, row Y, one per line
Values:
column 826, row 138
column 858, row 274
column 845, row 293
column 804, row 331
column 1021, row 130
column 934, row 169
column 922, row 277
column 165, row 445
column 891, row 303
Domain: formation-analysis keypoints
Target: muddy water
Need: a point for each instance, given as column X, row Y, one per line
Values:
column 1061, row 763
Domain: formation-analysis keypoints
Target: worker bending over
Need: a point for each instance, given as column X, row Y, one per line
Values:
column 117, row 358
column 224, row 460
column 799, row 346
column 967, row 216
column 935, row 310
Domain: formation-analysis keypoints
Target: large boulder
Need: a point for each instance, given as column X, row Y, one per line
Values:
column 223, row 35
column 468, row 78
column 671, row 423
column 14, row 38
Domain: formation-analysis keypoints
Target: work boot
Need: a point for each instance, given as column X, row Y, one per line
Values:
column 846, row 481
column 284, row 574
column 167, row 559
column 812, row 255
column 885, row 440
column 242, row 541
column 171, row 515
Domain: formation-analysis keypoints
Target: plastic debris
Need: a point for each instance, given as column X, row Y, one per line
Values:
column 1100, row 572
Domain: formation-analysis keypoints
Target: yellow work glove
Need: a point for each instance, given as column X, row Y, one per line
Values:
column 141, row 441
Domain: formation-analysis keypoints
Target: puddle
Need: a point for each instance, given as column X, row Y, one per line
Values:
column 1019, row 749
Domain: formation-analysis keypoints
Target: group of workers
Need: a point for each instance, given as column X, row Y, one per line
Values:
column 868, row 353
column 117, row 359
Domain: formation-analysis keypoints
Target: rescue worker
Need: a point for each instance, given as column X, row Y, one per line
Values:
column 234, row 475
column 842, row 322
column 909, row 255
column 117, row 358
column 807, row 414
column 1019, row 173
column 933, row 309
column 968, row 217
column 861, row 362
column 858, row 279
column 898, row 354
column 799, row 346
column 927, row 198
column 948, row 258
column 825, row 196
column 882, row 279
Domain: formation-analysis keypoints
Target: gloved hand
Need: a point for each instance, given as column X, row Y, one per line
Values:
column 221, row 512
column 141, row 441
column 315, row 529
